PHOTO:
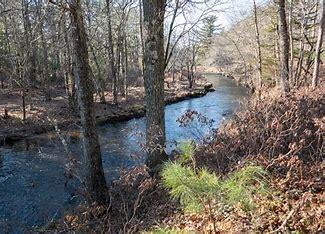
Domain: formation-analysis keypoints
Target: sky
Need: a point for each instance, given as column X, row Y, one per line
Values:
column 228, row 12
column 235, row 10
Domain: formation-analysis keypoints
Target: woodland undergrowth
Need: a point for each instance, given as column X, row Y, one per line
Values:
column 282, row 136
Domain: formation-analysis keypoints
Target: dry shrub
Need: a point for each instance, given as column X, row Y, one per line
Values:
column 137, row 202
column 283, row 133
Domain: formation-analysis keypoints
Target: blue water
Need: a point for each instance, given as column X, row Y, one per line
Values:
column 32, row 180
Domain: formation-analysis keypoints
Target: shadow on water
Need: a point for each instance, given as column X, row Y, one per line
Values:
column 32, row 173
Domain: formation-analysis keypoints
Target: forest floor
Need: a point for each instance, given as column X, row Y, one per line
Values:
column 42, row 115
column 284, row 134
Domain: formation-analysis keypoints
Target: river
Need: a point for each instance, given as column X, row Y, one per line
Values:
column 32, row 180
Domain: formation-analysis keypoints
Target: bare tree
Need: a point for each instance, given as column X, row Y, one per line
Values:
column 141, row 33
column 45, row 61
column 111, row 56
column 99, row 78
column 183, row 9
column 303, row 28
column 290, row 25
column 242, row 57
column 315, row 79
column 153, row 33
column 95, row 179
column 311, row 40
column 189, row 57
column 121, row 48
column 258, row 43
column 30, row 43
column 69, row 77
column 284, row 47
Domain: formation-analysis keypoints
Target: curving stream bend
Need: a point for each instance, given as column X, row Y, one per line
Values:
column 32, row 180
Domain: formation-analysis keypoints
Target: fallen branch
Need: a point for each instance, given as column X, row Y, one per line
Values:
column 284, row 223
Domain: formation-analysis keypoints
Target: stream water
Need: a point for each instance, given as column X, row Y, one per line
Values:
column 32, row 180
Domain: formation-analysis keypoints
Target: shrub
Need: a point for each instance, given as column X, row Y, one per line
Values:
column 187, row 152
column 284, row 134
column 194, row 190
column 242, row 185
column 201, row 190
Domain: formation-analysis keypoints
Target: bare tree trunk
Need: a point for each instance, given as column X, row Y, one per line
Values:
column 111, row 56
column 99, row 78
column 125, row 61
column 123, row 71
column 153, row 12
column 22, row 83
column 141, row 34
column 119, row 46
column 312, row 16
column 45, row 63
column 276, row 54
column 291, row 39
column 120, row 53
column 189, row 78
column 301, row 54
column 173, row 72
column 315, row 79
column 122, row 48
column 30, row 47
column 259, row 54
column 8, row 47
column 23, row 96
column 241, row 56
column 170, row 33
column 193, row 57
column 68, row 68
column 21, row 67
column 303, row 36
column 284, row 47
column 95, row 180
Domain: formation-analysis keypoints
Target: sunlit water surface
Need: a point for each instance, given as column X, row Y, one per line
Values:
column 32, row 180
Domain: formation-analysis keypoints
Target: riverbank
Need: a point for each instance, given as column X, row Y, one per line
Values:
column 42, row 115
column 30, row 165
column 240, row 79
column 283, row 135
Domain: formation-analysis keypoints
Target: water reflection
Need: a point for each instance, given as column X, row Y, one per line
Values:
column 32, row 172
